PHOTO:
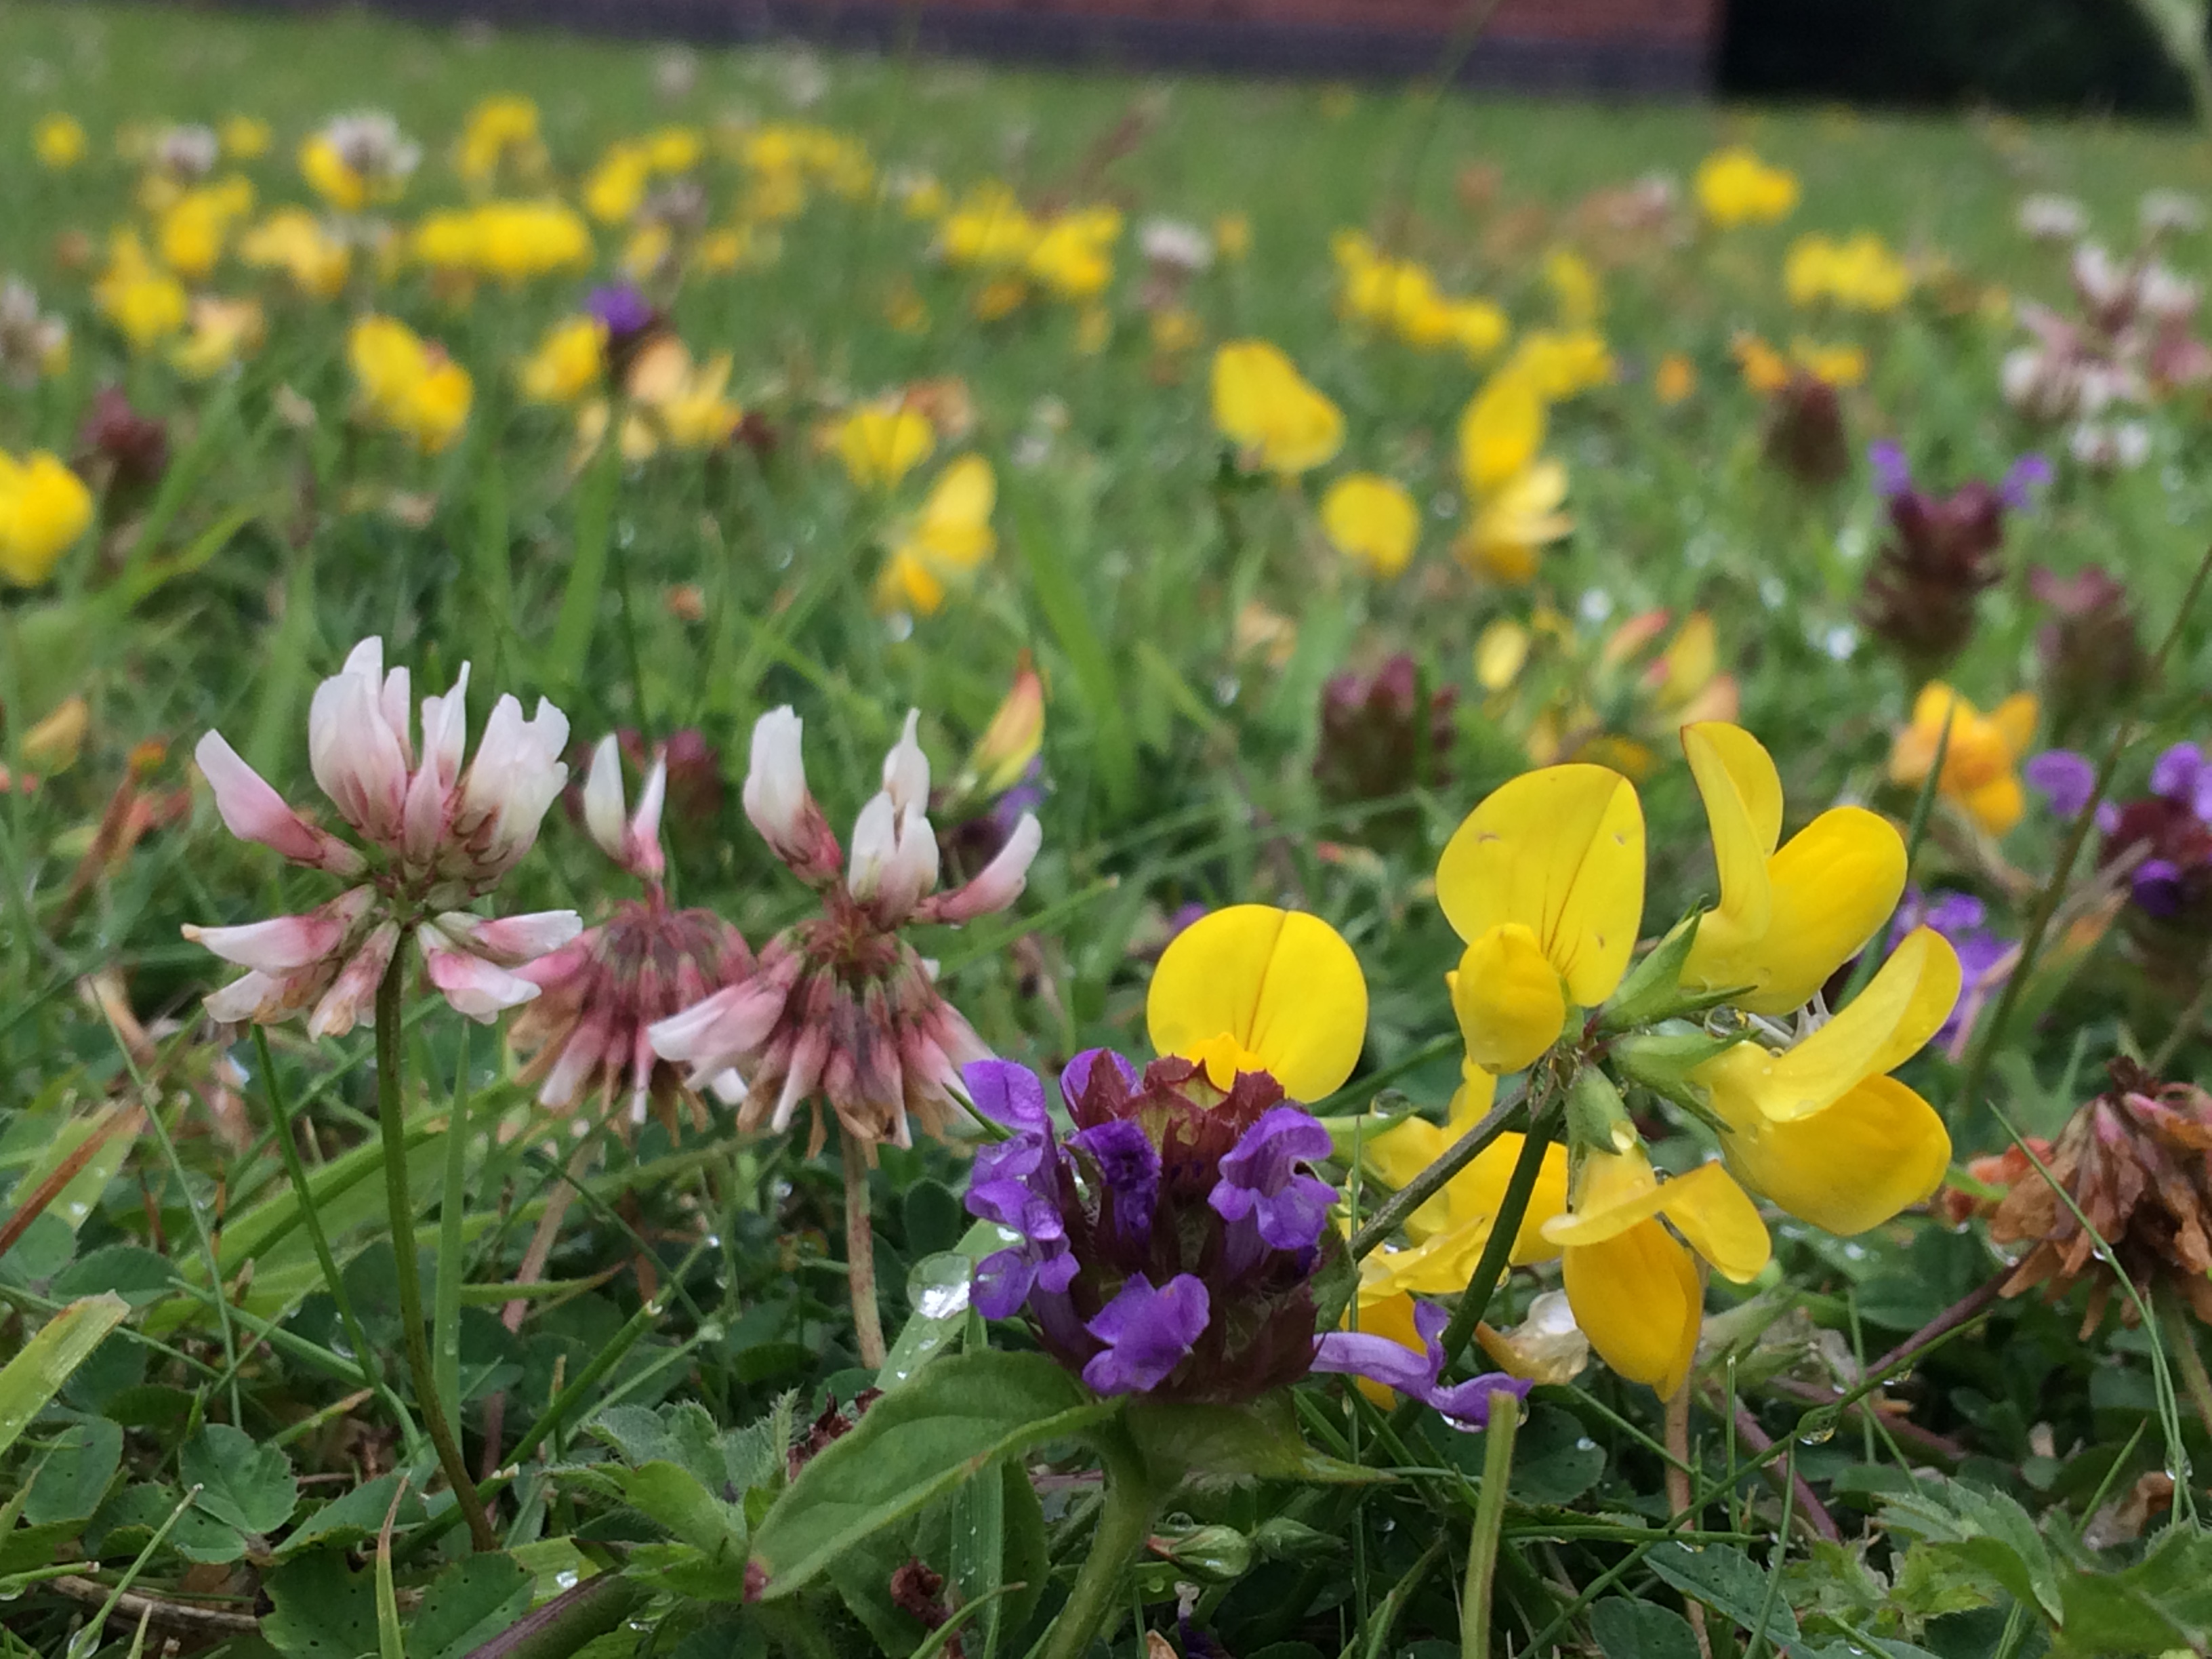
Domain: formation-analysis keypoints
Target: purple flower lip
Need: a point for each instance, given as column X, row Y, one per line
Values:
column 621, row 307
column 2030, row 473
column 1259, row 1179
column 1892, row 476
column 1147, row 1334
column 2182, row 777
column 1465, row 1406
column 2065, row 779
column 2157, row 887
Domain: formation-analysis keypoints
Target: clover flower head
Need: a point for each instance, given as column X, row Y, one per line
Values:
column 437, row 835
column 588, row 1031
column 842, row 1009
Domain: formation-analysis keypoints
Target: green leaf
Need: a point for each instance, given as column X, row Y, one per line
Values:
column 469, row 1603
column 1260, row 1440
column 1986, row 1530
column 76, row 1474
column 321, row 1611
column 357, row 1515
column 65, row 1342
column 1724, row 1579
column 2161, row 1603
column 672, row 1496
column 682, row 1434
column 937, row 1291
column 1637, row 1630
column 241, row 1481
column 131, row 1271
column 965, row 1413
column 977, row 1548
column 126, row 1523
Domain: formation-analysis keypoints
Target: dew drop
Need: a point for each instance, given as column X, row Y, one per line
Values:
column 942, row 1301
column 566, row 1578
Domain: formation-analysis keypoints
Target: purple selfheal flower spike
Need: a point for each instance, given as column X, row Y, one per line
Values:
column 1129, row 1164
column 1260, row 1177
column 1892, row 476
column 1954, row 913
column 2108, row 818
column 2030, row 473
column 2065, row 779
column 1147, row 1334
column 1379, row 1359
column 1009, row 1190
column 1075, row 1076
column 2157, row 887
column 620, row 306
column 2178, row 776
column 1006, row 1093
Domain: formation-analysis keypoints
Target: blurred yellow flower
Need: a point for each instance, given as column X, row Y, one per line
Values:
column 614, row 189
column 509, row 241
column 192, row 232
column 1402, row 296
column 683, row 400
column 883, row 443
column 1673, row 380
column 1513, row 496
column 1072, row 254
column 142, row 300
column 1371, row 520
column 1980, row 774
column 1576, row 291
column 43, row 508
column 245, row 137
column 59, row 141
column 1561, row 363
column 1734, row 187
column 945, row 542
column 1232, row 235
column 293, row 240
column 1278, row 421
column 501, row 130
column 567, row 362
column 223, row 332
column 407, row 384
column 1860, row 274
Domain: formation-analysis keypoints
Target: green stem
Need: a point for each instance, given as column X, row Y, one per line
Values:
column 1433, row 1180
column 1489, row 1524
column 1498, row 1249
column 861, row 1251
column 1094, row 1605
column 399, row 1206
column 453, row 1205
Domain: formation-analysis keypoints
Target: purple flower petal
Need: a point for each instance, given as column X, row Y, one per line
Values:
column 1075, row 1076
column 1954, row 913
column 2065, row 779
column 620, row 306
column 2030, row 473
column 2157, row 885
column 2178, row 774
column 1129, row 1166
column 1261, row 1177
column 1891, row 475
column 1147, row 1334
column 1006, row 1093
column 1380, row 1359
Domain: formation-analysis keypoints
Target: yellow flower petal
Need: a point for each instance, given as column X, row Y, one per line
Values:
column 1719, row 1220
column 1508, row 998
column 1560, row 851
column 1877, row 1151
column 1637, row 1299
column 1613, row 1192
column 1459, row 1220
column 1904, row 1006
column 1283, row 984
column 1996, row 806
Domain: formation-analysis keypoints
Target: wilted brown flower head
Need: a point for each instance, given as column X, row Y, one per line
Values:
column 1805, row 430
column 1377, row 734
column 130, row 450
column 586, row 1033
column 2136, row 1162
column 843, row 1011
column 1941, row 555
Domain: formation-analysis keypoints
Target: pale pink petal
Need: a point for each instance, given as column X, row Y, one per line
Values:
column 807, row 1058
column 510, row 941
column 603, row 797
column 997, row 885
column 242, row 999
column 641, row 846
column 479, row 989
column 584, row 1053
column 253, row 811
column 351, row 1000
column 727, row 1025
column 281, row 943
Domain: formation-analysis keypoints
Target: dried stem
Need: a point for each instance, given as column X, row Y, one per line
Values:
column 860, row 1250
column 1967, row 1308
column 1679, row 1499
column 1816, row 1513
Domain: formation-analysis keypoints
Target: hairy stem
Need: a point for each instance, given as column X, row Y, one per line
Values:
column 1125, row 1520
column 1498, row 1249
column 1431, row 1181
column 860, row 1250
column 399, row 1206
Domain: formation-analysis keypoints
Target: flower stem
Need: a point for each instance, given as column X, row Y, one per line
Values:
column 1498, row 1249
column 399, row 1206
column 1476, row 1600
column 1125, row 1520
column 860, row 1250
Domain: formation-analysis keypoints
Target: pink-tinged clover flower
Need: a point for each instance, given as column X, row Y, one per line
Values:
column 842, row 1011
column 602, row 991
column 435, row 835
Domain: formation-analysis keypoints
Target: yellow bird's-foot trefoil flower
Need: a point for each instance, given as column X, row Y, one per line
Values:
column 1277, row 420
column 1981, row 774
column 1253, row 988
column 43, row 508
column 945, row 543
column 1372, row 520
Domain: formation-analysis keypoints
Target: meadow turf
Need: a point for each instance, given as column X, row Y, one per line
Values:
column 1188, row 619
